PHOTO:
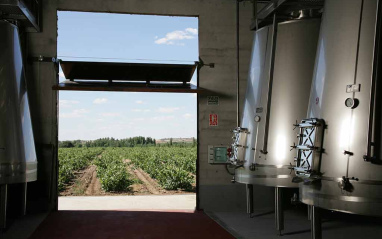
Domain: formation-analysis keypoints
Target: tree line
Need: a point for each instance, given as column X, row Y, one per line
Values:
column 138, row 141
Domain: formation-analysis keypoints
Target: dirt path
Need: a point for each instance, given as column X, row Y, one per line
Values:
column 82, row 182
column 94, row 187
column 87, row 184
column 150, row 184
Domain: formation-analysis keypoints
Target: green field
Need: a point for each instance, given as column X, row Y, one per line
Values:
column 173, row 167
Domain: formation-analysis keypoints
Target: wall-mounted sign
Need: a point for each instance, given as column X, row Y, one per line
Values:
column 212, row 100
column 213, row 120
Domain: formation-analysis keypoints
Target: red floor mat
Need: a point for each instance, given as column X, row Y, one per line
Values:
column 128, row 224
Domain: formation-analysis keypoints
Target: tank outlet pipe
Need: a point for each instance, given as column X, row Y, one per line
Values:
column 238, row 63
column 373, row 91
column 270, row 84
column 3, row 206
column 249, row 191
column 279, row 214
column 309, row 212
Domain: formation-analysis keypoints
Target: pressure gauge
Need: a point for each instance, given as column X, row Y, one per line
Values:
column 351, row 103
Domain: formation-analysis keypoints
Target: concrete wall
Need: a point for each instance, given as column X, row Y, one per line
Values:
column 217, row 44
column 43, row 103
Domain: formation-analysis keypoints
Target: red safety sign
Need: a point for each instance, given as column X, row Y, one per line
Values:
column 213, row 120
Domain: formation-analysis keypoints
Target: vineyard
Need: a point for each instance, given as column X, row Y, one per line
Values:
column 171, row 168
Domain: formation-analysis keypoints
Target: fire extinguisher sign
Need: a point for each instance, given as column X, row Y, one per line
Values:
column 213, row 120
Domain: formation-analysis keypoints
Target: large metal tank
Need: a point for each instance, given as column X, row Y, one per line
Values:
column 18, row 161
column 277, row 93
column 346, row 171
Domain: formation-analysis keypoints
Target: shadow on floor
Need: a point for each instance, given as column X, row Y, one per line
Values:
column 129, row 224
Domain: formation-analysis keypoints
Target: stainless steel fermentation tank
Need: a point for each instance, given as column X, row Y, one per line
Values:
column 344, row 169
column 277, row 93
column 18, row 162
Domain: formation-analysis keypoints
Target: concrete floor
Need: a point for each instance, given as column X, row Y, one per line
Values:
column 23, row 227
column 261, row 226
column 297, row 226
column 151, row 202
column 103, row 224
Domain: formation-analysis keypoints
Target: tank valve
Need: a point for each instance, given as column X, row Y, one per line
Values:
column 345, row 183
column 233, row 180
column 252, row 167
column 294, row 200
column 348, row 153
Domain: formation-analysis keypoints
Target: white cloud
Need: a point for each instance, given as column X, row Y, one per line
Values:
column 100, row 101
column 167, row 109
column 193, row 31
column 139, row 102
column 75, row 114
column 68, row 103
column 173, row 38
column 162, row 118
column 82, row 111
column 187, row 116
column 110, row 114
column 141, row 110
column 139, row 119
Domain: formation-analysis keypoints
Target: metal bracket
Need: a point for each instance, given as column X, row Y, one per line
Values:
column 201, row 63
column 372, row 159
column 42, row 58
column 29, row 13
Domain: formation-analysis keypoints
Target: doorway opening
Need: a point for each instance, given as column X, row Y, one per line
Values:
column 116, row 145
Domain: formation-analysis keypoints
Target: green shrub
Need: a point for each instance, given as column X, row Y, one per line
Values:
column 173, row 167
column 112, row 173
column 174, row 178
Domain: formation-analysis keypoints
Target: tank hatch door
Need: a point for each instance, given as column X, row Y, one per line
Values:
column 309, row 149
column 239, row 145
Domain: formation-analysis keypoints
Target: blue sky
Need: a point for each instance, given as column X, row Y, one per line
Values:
column 129, row 38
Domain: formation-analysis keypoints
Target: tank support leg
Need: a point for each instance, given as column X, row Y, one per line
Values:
column 3, row 205
column 279, row 210
column 24, row 199
column 316, row 229
column 309, row 212
column 249, row 190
